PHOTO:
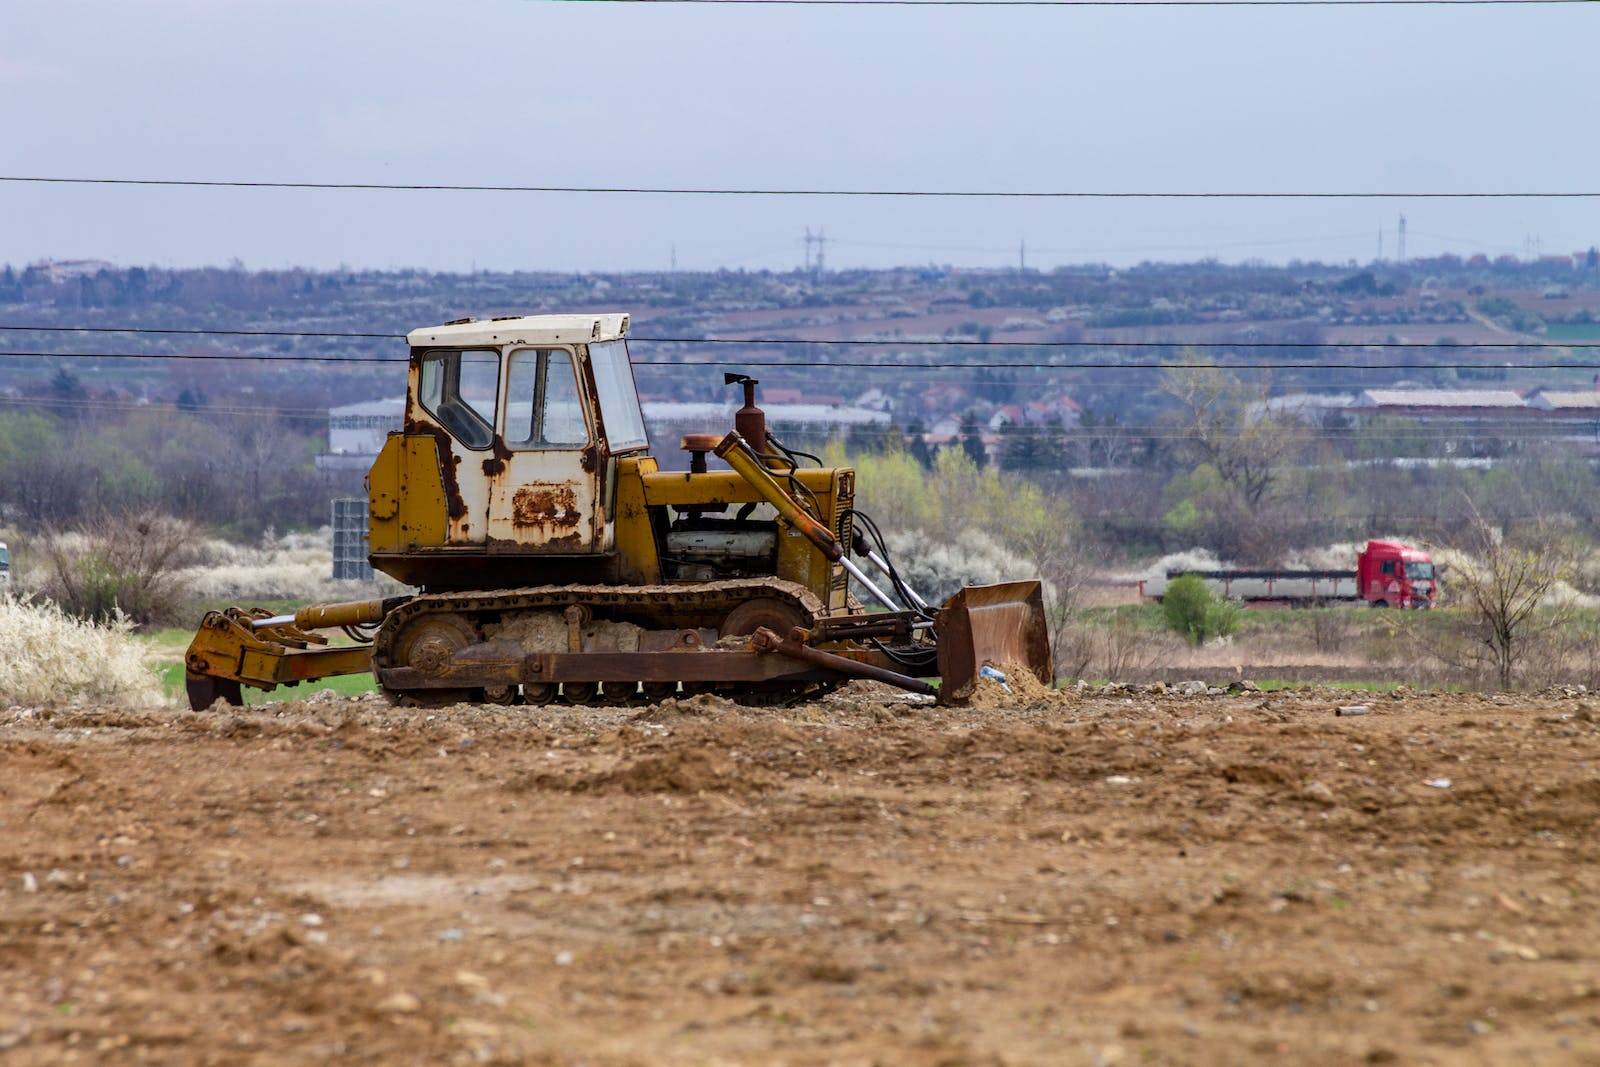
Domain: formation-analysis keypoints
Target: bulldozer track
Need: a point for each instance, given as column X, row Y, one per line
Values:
column 658, row 607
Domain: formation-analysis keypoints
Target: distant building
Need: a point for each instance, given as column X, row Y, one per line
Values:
column 359, row 429
column 63, row 270
column 356, row 431
column 1453, row 405
column 1584, row 405
column 1315, row 408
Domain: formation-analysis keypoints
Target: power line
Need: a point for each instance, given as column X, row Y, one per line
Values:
column 865, row 343
column 213, row 356
column 94, row 404
column 1106, row 3
column 869, row 364
column 1128, row 434
column 1004, row 194
column 200, row 332
column 956, row 343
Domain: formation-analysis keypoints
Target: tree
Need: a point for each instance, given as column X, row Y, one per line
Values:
column 917, row 443
column 1506, row 588
column 1018, row 447
column 1191, row 609
column 1227, row 424
column 64, row 385
column 972, row 440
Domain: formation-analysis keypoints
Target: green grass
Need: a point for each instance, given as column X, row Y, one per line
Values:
column 349, row 685
column 167, row 644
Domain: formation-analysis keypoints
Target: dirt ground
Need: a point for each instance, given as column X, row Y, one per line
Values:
column 1110, row 877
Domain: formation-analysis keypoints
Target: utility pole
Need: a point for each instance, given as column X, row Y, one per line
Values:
column 1022, row 255
column 1380, row 244
column 674, row 256
column 817, row 266
column 1400, row 240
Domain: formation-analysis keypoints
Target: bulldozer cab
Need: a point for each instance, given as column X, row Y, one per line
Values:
column 526, row 416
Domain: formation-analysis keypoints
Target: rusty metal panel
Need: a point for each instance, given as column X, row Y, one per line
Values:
column 545, row 496
column 1002, row 625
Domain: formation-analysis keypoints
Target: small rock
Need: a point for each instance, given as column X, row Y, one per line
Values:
column 564, row 958
column 1319, row 792
column 1347, row 710
column 324, row 696
column 310, row 918
column 1119, row 779
column 30, row 884
column 399, row 1004
column 1192, row 688
column 1507, row 950
column 1438, row 783
column 452, row 934
column 472, row 982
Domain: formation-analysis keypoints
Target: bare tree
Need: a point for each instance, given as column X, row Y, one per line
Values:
column 1506, row 586
column 1060, row 557
column 1228, row 425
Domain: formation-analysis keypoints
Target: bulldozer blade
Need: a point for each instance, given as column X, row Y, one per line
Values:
column 1001, row 625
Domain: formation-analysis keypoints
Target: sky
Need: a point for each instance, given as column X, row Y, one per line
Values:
column 541, row 92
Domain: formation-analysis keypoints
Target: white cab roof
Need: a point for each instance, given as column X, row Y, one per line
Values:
column 527, row 329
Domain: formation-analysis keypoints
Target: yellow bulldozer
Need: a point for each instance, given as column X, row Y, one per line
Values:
column 555, row 560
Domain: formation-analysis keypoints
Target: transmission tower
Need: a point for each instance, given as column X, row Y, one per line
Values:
column 1400, row 241
column 816, row 266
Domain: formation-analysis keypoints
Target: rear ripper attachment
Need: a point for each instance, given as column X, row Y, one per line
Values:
column 737, row 581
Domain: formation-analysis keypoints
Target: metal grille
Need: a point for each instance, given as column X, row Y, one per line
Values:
column 350, row 539
column 844, row 504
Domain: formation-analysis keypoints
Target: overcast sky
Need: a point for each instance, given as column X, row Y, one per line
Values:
column 532, row 92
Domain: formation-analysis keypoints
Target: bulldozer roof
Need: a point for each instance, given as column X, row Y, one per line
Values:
column 528, row 329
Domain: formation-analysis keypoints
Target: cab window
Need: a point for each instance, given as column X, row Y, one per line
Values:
column 1388, row 567
column 619, row 400
column 543, row 407
column 461, row 390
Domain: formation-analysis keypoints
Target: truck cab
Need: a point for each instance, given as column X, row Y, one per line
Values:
column 1392, row 574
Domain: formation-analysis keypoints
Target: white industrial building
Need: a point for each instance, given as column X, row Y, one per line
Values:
column 356, row 431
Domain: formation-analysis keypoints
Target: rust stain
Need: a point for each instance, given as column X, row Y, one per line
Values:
column 496, row 463
column 551, row 508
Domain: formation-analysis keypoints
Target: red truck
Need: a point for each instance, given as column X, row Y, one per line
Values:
column 1388, row 574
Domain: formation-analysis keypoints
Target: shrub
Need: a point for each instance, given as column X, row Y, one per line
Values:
column 52, row 657
column 1193, row 610
column 120, row 567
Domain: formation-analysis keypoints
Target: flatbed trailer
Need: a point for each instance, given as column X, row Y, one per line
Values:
column 1266, row 586
column 1387, row 574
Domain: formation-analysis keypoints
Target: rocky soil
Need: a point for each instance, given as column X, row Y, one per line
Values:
column 1092, row 877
